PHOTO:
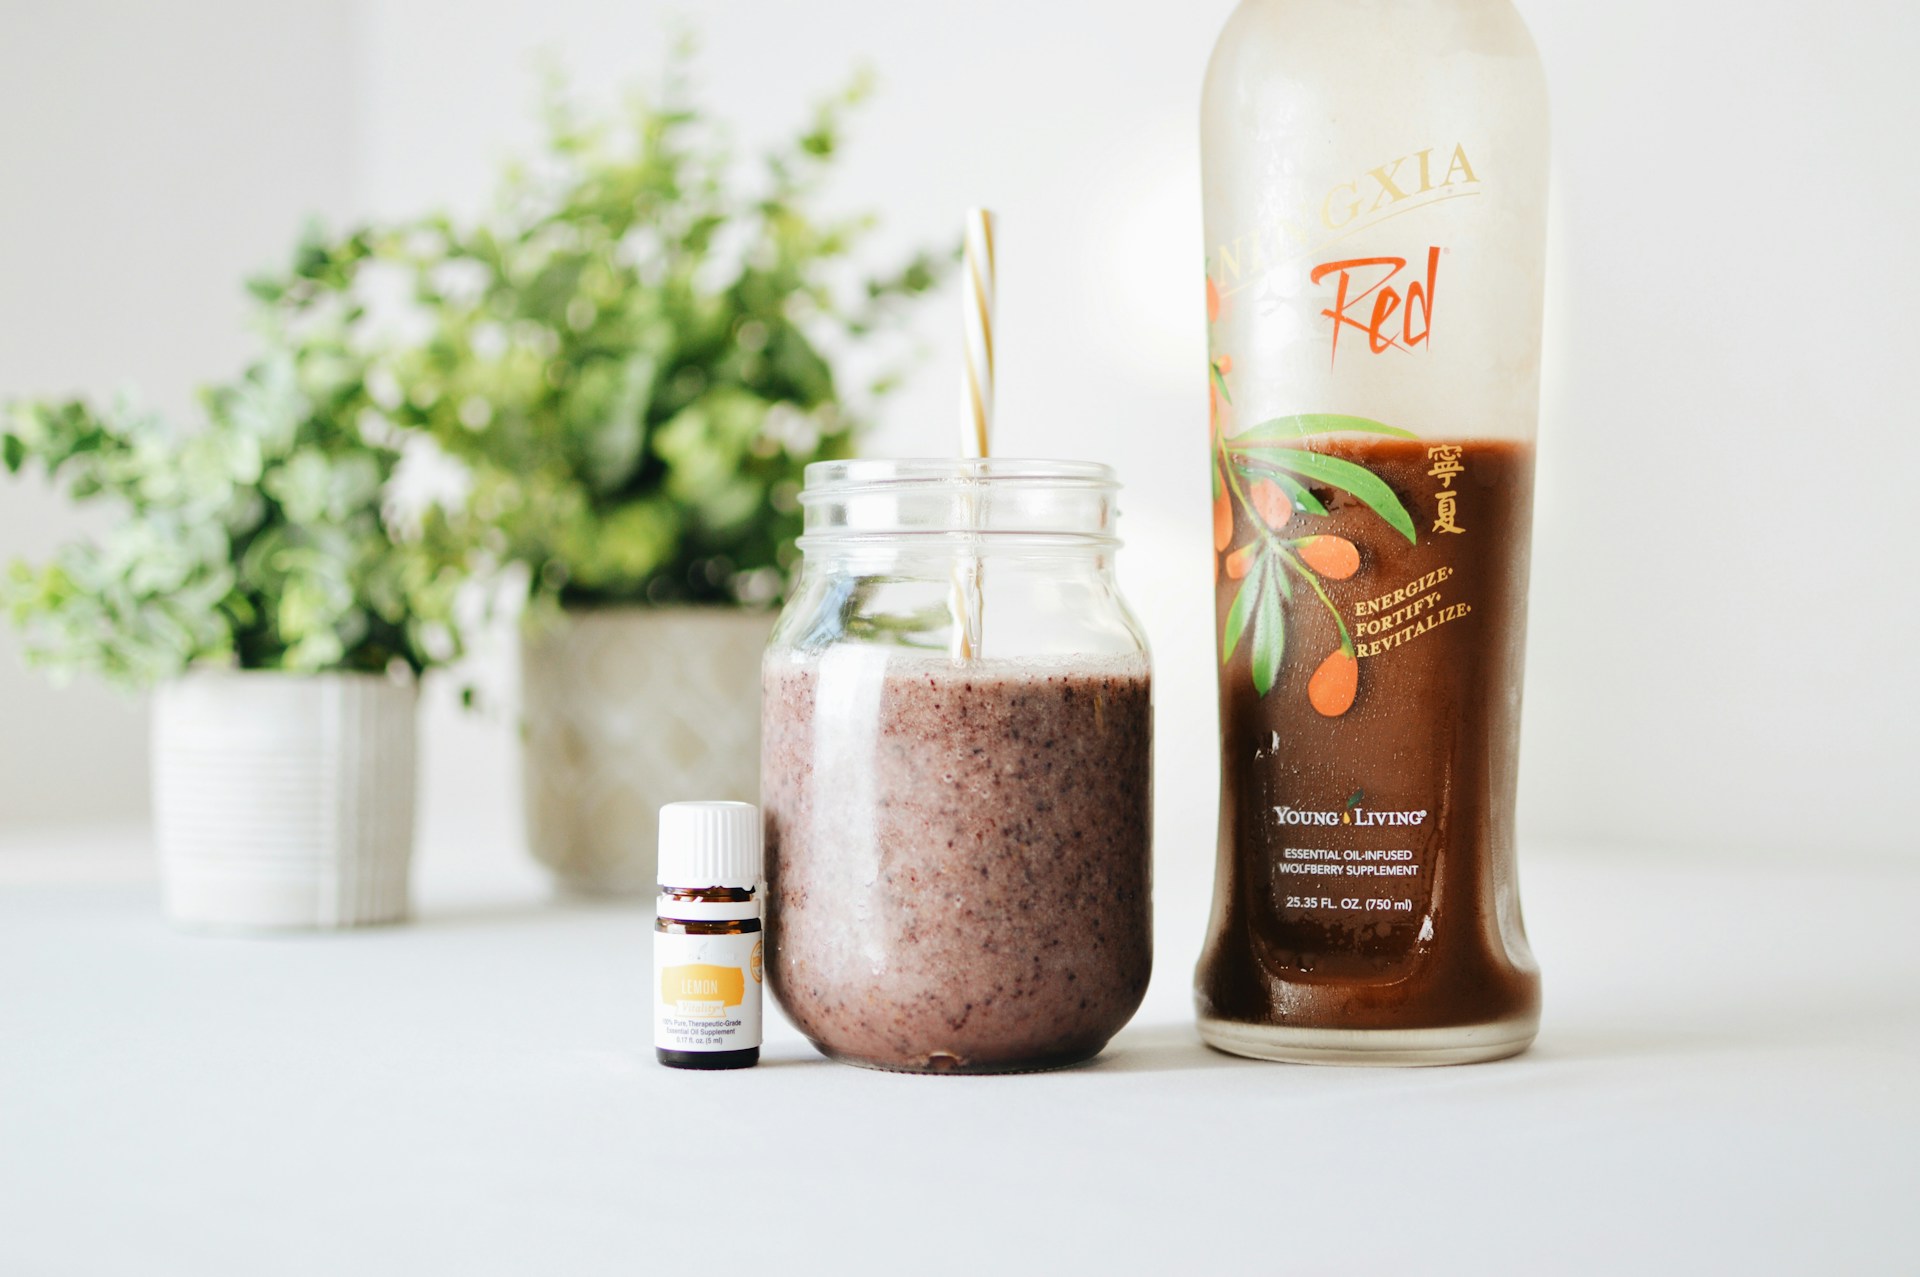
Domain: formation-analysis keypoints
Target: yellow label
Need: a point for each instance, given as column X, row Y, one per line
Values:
column 703, row 982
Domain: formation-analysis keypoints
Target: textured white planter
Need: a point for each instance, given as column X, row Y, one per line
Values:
column 284, row 800
column 626, row 709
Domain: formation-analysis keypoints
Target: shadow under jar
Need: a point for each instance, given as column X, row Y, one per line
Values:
column 956, row 769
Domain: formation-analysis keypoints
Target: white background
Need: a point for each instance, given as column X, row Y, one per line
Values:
column 1724, row 566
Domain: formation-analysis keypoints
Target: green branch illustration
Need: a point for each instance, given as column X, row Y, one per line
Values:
column 1273, row 453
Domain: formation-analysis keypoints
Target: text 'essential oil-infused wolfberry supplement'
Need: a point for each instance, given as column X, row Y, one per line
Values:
column 706, row 942
column 1375, row 218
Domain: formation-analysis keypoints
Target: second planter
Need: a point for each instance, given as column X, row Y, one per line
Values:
column 626, row 709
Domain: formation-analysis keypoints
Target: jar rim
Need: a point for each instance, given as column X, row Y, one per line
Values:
column 960, row 504
column 831, row 480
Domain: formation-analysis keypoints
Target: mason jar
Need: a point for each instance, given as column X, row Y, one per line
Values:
column 956, row 769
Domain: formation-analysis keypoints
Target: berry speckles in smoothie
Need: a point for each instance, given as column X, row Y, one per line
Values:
column 958, row 857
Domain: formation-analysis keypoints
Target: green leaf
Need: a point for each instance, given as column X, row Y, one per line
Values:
column 1220, row 383
column 1358, row 480
column 1293, row 487
column 1281, row 564
column 1251, row 591
column 13, row 453
column 1283, row 430
column 1269, row 642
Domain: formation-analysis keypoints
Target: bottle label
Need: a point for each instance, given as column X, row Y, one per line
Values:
column 707, row 997
column 1372, row 498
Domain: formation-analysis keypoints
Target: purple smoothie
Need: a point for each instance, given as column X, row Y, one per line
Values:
column 958, row 857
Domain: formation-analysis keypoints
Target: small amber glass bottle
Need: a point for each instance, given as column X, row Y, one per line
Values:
column 706, row 942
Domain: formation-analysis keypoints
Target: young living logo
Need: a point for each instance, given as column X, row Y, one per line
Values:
column 1354, row 815
column 1416, row 180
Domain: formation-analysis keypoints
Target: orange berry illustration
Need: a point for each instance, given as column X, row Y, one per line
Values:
column 1332, row 557
column 1240, row 562
column 1274, row 505
column 1331, row 689
column 1224, row 364
column 1213, row 301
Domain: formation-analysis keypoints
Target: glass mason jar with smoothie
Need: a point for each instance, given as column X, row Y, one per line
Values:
column 1375, row 183
column 957, row 769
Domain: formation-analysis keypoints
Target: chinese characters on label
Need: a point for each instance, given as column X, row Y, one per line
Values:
column 1446, row 466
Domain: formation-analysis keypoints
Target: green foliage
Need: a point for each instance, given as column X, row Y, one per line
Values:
column 631, row 360
column 264, row 539
column 634, row 354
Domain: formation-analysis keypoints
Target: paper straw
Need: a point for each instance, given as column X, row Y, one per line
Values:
column 977, row 298
column 976, row 428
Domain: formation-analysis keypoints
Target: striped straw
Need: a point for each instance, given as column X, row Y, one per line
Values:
column 976, row 424
column 978, row 293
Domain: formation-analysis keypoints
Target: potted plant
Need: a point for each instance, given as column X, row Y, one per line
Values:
column 262, row 579
column 634, row 356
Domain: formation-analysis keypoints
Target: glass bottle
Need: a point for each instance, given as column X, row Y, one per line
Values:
column 707, row 947
column 1375, row 186
column 957, row 769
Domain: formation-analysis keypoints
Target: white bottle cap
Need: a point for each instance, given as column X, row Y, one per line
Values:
column 709, row 845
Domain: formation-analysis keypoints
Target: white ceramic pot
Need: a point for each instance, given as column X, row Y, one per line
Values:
column 626, row 709
column 284, row 800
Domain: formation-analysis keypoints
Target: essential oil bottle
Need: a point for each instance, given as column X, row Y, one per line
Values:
column 706, row 939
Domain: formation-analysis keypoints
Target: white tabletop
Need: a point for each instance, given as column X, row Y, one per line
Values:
column 1724, row 1083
